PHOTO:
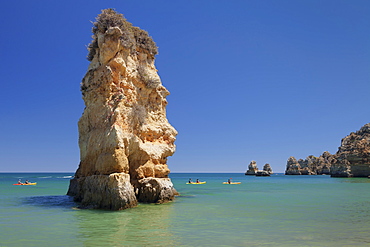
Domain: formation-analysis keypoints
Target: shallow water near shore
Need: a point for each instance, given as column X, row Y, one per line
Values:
column 261, row 211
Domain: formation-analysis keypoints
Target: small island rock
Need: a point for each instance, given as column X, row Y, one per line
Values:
column 267, row 168
column 252, row 168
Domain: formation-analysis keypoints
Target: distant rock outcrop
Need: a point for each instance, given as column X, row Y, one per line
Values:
column 267, row 168
column 353, row 156
column 351, row 160
column 292, row 167
column 252, row 168
column 310, row 166
column 124, row 135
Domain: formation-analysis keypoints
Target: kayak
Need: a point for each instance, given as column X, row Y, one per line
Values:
column 232, row 183
column 198, row 183
column 26, row 184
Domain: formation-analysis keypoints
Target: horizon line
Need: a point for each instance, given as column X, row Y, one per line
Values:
column 169, row 173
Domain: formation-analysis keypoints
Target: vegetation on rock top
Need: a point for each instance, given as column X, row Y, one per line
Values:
column 131, row 38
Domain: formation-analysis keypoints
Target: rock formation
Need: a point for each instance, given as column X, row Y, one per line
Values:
column 351, row 160
column 124, row 135
column 252, row 168
column 292, row 167
column 267, row 168
column 310, row 166
column 262, row 173
column 353, row 156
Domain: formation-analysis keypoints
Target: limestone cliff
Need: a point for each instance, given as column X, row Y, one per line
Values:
column 353, row 156
column 311, row 165
column 351, row 160
column 124, row 135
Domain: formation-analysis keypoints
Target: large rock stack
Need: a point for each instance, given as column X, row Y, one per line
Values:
column 124, row 135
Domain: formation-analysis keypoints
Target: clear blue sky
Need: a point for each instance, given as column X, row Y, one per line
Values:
column 249, row 80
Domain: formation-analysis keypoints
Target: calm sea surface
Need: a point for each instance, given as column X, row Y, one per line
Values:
column 261, row 211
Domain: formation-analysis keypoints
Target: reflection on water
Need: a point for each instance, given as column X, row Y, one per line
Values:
column 145, row 225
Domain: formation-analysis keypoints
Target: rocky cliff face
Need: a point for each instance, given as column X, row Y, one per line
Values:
column 292, row 167
column 124, row 135
column 353, row 156
column 351, row 160
column 310, row 166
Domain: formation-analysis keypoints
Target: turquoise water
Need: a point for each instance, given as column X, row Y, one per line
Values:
column 261, row 211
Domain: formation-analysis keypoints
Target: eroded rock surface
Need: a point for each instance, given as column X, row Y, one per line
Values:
column 267, row 168
column 351, row 160
column 311, row 165
column 252, row 168
column 124, row 135
column 293, row 167
column 353, row 156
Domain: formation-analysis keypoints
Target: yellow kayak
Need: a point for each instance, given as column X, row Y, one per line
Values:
column 232, row 182
column 26, row 184
column 198, row 183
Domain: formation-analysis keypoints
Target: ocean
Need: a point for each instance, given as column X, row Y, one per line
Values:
column 261, row 211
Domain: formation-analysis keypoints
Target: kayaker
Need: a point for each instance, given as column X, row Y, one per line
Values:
column 26, row 182
column 229, row 180
column 190, row 182
column 19, row 181
column 197, row 181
